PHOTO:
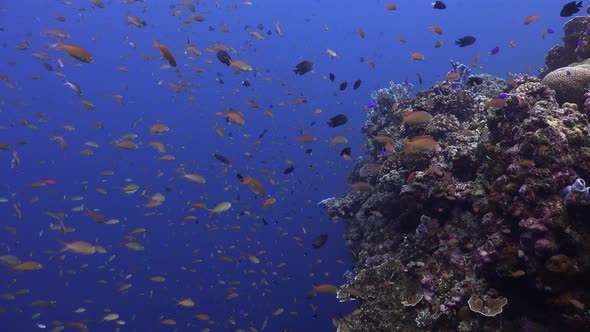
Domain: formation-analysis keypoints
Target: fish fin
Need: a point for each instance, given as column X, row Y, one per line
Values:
column 65, row 246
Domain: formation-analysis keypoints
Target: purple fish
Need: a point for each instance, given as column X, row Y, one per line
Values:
column 502, row 96
column 494, row 51
column 371, row 105
column 569, row 73
column 549, row 30
column 580, row 42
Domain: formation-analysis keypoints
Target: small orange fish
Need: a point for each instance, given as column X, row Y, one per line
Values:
column 496, row 102
column 306, row 138
column 390, row 6
column 417, row 56
column 513, row 43
column 402, row 39
column 269, row 201
column 530, row 19
column 74, row 51
column 165, row 53
column 438, row 44
column 325, row 288
column 436, row 29
column 361, row 33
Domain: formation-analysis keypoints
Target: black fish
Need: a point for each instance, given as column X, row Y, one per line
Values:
column 419, row 78
column 343, row 86
column 439, row 5
column 308, row 151
column 319, row 241
column 289, row 169
column 240, row 177
column 346, row 152
column 221, row 158
column 357, row 84
column 224, row 57
column 332, row 77
column 246, row 83
column 465, row 41
column 337, row 120
column 303, row 67
column 262, row 134
column 570, row 9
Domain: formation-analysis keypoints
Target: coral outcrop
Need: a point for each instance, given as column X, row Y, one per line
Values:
column 479, row 233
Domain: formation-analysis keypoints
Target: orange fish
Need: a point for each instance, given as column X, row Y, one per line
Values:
column 165, row 53
column 496, row 102
column 236, row 117
column 436, row 29
column 438, row 44
column 254, row 185
column 390, row 6
column 325, row 288
column 421, row 144
column 306, row 138
column 531, row 19
column 361, row 33
column 513, row 43
column 269, row 201
column 417, row 56
column 26, row 266
column 402, row 39
column 74, row 51
column 78, row 247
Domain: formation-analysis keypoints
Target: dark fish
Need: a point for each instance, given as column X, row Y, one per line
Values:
column 465, row 41
column 346, row 152
column 337, row 120
column 47, row 66
column 474, row 80
column 260, row 26
column 289, row 169
column 262, row 134
column 224, row 57
column 319, row 241
column 357, row 84
column 240, row 177
column 419, row 78
column 222, row 159
column 343, row 86
column 439, row 5
column 246, row 83
column 570, row 9
column 303, row 67
column 308, row 151
column 332, row 77
column 362, row 59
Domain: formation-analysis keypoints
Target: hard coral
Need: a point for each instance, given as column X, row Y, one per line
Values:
column 487, row 306
column 576, row 30
column 569, row 83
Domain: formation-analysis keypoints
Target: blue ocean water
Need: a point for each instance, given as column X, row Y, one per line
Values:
column 206, row 259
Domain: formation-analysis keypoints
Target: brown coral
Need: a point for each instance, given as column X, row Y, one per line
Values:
column 569, row 83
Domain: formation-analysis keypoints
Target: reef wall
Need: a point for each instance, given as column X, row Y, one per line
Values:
column 475, row 216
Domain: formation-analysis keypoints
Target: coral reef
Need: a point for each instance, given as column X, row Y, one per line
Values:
column 576, row 46
column 487, row 231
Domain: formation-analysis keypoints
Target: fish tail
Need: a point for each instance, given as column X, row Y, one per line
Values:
column 65, row 246
column 156, row 44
